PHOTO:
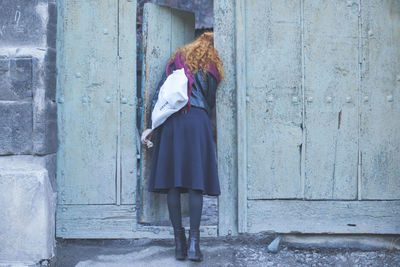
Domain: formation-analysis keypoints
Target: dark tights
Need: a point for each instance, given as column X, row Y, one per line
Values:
column 195, row 206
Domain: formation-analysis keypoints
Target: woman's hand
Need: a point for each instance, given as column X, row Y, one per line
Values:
column 146, row 136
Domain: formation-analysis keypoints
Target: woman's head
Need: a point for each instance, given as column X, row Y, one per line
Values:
column 200, row 53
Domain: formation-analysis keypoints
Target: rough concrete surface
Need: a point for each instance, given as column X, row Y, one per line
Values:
column 27, row 211
column 245, row 250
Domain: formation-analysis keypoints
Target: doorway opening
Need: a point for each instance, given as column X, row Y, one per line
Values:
column 203, row 13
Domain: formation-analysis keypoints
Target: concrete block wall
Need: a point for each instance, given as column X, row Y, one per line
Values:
column 28, row 129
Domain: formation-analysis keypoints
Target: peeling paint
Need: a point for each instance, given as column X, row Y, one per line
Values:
column 17, row 16
column 343, row 71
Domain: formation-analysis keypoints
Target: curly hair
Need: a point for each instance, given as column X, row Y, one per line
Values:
column 199, row 53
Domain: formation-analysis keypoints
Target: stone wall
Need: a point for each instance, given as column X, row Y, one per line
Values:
column 28, row 130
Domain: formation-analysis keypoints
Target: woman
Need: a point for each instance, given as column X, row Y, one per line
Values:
column 184, row 158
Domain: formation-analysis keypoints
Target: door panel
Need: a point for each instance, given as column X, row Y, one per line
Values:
column 164, row 30
column 96, row 87
column 331, row 94
column 89, row 96
column 274, row 112
column 380, row 100
column 321, row 216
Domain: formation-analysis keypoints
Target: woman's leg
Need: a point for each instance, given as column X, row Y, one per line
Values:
column 174, row 207
column 196, row 206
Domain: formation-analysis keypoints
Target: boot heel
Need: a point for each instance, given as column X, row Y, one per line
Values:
column 194, row 253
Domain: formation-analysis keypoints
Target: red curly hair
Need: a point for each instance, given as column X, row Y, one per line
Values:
column 199, row 53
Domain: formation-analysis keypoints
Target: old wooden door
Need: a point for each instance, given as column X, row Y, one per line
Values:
column 317, row 113
column 96, row 94
column 164, row 30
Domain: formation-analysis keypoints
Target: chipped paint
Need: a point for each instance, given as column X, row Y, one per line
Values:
column 96, row 172
column 342, row 68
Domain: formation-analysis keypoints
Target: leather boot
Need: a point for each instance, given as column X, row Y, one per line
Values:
column 180, row 243
column 194, row 252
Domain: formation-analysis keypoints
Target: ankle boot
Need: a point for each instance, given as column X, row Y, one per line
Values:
column 194, row 252
column 180, row 243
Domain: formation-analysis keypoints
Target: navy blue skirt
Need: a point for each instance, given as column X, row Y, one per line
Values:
column 184, row 155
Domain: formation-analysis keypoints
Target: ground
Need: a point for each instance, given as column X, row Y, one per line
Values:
column 244, row 250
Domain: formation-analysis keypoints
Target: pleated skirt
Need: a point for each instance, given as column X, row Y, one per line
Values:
column 184, row 155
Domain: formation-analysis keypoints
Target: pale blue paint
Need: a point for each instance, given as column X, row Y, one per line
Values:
column 96, row 89
column 307, row 117
column 293, row 122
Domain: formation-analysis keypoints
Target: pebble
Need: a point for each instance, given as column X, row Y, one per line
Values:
column 274, row 246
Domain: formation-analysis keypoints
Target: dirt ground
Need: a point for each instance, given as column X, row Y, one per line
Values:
column 244, row 250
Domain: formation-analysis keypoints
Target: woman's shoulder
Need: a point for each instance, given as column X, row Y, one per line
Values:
column 211, row 76
column 212, row 69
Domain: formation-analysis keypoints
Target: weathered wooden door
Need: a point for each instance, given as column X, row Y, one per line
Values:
column 164, row 30
column 96, row 94
column 317, row 112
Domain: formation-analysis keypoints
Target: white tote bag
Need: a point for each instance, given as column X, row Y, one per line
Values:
column 171, row 98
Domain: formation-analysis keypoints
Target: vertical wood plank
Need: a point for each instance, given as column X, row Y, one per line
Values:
column 380, row 100
column 127, row 88
column 274, row 108
column 156, row 51
column 87, row 102
column 226, row 115
column 241, row 89
column 331, row 91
